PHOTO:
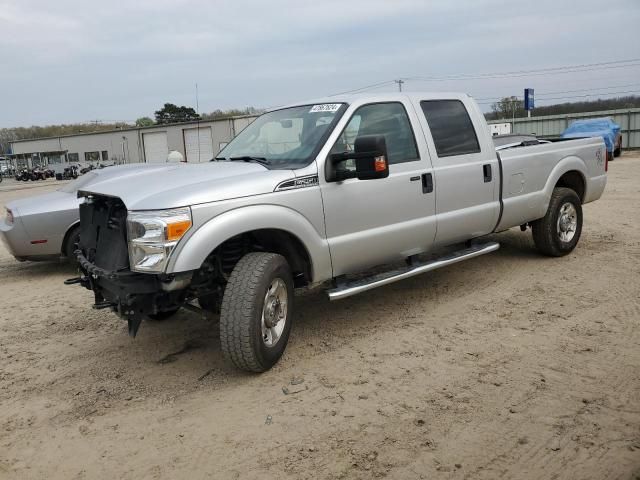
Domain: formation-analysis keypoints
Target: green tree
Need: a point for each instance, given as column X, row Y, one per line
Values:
column 144, row 122
column 171, row 113
column 508, row 107
column 232, row 112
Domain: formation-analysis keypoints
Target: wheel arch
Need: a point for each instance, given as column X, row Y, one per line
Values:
column 66, row 236
column 280, row 229
column 568, row 171
column 574, row 180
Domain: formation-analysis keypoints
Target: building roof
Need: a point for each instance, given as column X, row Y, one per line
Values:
column 129, row 129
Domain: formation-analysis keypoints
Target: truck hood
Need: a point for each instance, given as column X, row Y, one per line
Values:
column 179, row 184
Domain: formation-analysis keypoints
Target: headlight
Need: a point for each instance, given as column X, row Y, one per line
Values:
column 153, row 235
column 9, row 217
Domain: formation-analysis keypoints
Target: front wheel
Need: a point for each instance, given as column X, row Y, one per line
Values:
column 256, row 313
column 557, row 233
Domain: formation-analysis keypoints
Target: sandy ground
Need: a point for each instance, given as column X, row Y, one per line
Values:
column 511, row 365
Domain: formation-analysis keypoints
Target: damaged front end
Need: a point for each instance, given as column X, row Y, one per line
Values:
column 103, row 259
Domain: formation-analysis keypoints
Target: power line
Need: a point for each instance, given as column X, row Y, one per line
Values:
column 560, row 70
column 573, row 96
column 633, row 62
column 362, row 88
column 542, row 95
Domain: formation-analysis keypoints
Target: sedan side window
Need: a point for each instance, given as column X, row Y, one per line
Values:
column 388, row 119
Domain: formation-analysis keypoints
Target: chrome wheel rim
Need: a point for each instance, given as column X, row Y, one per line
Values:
column 274, row 312
column 567, row 222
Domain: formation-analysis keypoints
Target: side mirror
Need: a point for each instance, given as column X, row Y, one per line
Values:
column 370, row 156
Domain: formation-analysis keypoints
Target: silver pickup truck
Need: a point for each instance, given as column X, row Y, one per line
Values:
column 324, row 192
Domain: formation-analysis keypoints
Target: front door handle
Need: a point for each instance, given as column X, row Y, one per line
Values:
column 427, row 183
column 486, row 170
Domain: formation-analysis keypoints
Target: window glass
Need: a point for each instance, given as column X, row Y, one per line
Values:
column 388, row 119
column 73, row 157
column 105, row 155
column 451, row 127
column 286, row 138
column 91, row 156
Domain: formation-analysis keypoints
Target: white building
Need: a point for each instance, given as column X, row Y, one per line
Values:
column 196, row 141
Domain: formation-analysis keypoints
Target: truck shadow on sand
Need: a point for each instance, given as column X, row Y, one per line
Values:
column 326, row 325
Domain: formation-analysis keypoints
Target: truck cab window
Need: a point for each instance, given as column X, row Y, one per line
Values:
column 388, row 119
column 451, row 127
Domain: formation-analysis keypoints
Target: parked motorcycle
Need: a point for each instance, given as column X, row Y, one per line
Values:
column 36, row 174
column 22, row 175
column 70, row 172
column 87, row 169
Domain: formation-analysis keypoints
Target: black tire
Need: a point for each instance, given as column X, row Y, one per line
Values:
column 547, row 231
column 617, row 152
column 241, row 334
column 160, row 316
column 73, row 237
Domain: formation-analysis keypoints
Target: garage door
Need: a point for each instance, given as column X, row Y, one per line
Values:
column 198, row 144
column 155, row 147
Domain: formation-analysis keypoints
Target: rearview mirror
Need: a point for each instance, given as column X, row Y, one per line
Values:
column 370, row 156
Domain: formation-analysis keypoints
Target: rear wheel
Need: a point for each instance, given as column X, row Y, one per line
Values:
column 257, row 305
column 557, row 233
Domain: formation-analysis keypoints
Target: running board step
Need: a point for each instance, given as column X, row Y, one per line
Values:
column 378, row 280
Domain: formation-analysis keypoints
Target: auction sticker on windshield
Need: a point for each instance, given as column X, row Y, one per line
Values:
column 325, row 107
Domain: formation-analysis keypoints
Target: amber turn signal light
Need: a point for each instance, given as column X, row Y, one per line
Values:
column 176, row 230
column 380, row 163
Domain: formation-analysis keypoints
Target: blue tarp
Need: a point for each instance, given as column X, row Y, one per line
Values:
column 595, row 127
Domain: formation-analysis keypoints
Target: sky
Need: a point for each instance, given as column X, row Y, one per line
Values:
column 69, row 61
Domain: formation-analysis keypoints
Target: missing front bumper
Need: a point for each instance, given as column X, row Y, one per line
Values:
column 133, row 296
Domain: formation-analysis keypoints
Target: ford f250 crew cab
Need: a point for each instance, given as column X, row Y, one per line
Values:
column 323, row 192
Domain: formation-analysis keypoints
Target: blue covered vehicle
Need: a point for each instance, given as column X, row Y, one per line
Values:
column 598, row 127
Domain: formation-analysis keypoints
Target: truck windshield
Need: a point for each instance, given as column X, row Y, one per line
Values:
column 287, row 138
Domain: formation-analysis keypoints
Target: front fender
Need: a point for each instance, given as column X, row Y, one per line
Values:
column 194, row 249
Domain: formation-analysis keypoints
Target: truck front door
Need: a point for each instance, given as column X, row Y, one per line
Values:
column 370, row 222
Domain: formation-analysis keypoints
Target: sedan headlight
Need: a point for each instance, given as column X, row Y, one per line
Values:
column 153, row 235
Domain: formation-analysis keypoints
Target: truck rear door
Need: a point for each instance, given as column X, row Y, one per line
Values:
column 466, row 170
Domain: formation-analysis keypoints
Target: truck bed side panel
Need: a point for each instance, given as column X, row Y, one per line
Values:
column 531, row 173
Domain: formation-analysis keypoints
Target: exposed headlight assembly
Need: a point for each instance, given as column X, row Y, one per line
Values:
column 153, row 235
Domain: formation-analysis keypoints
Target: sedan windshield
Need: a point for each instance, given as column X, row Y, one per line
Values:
column 284, row 139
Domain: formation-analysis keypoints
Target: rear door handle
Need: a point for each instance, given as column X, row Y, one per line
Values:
column 486, row 170
column 427, row 183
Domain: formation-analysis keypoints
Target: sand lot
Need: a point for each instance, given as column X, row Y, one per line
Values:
column 511, row 365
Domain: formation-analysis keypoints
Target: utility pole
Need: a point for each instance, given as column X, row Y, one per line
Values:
column 197, row 106
column 399, row 82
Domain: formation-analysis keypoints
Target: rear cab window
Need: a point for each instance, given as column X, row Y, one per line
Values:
column 451, row 127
